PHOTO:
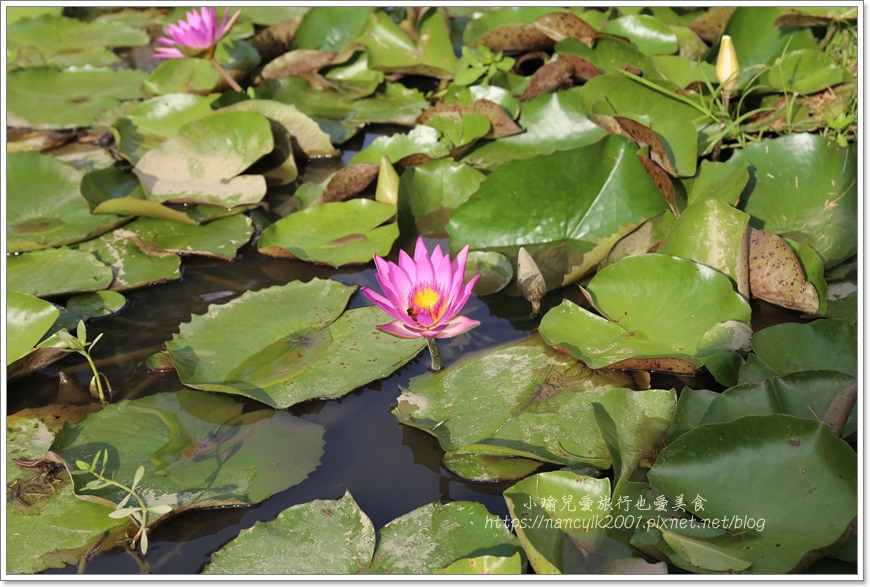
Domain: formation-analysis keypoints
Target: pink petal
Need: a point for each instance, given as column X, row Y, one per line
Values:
column 399, row 329
column 425, row 274
column 437, row 256
column 457, row 326
column 420, row 251
column 382, row 266
column 460, row 300
column 399, row 303
column 407, row 264
column 403, row 284
column 461, row 259
column 382, row 303
column 167, row 53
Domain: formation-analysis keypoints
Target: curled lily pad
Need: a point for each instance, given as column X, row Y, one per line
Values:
column 539, row 409
column 199, row 166
column 639, row 323
column 198, row 450
column 28, row 319
column 806, row 189
column 334, row 233
column 793, row 475
column 52, row 272
column 305, row 352
column 567, row 227
column 49, row 98
column 45, row 206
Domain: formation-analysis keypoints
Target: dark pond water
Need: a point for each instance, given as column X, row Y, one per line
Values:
column 390, row 469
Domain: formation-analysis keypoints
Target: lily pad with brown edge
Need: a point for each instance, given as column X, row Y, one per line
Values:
column 421, row 140
column 637, row 324
column 609, row 54
column 28, row 320
column 501, row 122
column 205, row 162
column 646, row 238
column 129, row 265
column 334, row 233
column 44, row 206
column 198, row 450
column 776, row 274
column 552, row 122
column 47, row 526
column 539, row 409
column 819, row 345
column 423, row 541
column 711, row 232
column 487, row 468
column 52, row 98
column 567, row 226
column 508, row 29
column 220, row 238
column 564, row 25
column 308, row 350
column 296, row 62
column 794, row 480
column 804, row 188
column 391, row 49
column 52, row 272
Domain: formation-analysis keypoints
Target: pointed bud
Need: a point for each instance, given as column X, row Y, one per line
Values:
column 727, row 68
column 530, row 280
column 388, row 183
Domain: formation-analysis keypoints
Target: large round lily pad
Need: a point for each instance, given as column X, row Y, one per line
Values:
column 566, row 225
column 301, row 351
column 28, row 319
column 198, row 450
column 821, row 344
column 52, row 272
column 44, row 206
column 792, row 473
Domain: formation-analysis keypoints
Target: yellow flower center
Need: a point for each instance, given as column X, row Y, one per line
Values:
column 426, row 298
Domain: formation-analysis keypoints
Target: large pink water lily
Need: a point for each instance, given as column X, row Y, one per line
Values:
column 195, row 35
column 424, row 294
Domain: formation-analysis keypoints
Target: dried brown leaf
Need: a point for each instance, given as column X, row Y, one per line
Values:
column 563, row 25
column 776, row 275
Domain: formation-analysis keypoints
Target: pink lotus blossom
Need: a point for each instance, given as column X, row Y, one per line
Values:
column 424, row 294
column 195, row 35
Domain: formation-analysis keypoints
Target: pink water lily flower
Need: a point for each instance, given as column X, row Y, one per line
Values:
column 424, row 295
column 195, row 35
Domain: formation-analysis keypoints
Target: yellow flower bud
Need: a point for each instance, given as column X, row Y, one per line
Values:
column 727, row 68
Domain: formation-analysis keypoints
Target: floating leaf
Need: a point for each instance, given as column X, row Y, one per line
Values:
column 335, row 233
column 806, row 72
column 193, row 75
column 609, row 54
column 202, row 163
column 28, row 320
column 508, row 29
column 131, row 266
column 644, row 239
column 304, row 353
column 324, row 30
column 489, row 468
column 421, row 140
column 198, row 450
column 706, row 554
column 564, row 25
column 431, row 191
column 651, row 35
column 539, row 409
column 548, row 78
column 349, row 181
column 639, row 323
column 495, row 271
column 53, row 272
column 842, row 294
column 723, row 181
column 296, row 62
column 758, row 40
column 45, row 207
column 220, row 238
column 553, row 122
column 821, row 344
column 776, row 275
column 792, row 473
column 96, row 304
column 49, row 98
column 567, row 227
column 485, row 565
column 805, row 189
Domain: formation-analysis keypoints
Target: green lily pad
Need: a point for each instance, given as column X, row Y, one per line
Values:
column 131, row 266
column 691, row 406
column 806, row 72
column 681, row 72
column 538, row 409
column 723, row 181
column 711, row 232
column 220, row 238
column 556, row 538
column 553, row 122
column 335, row 233
column 51, row 98
column 190, row 74
column 306, row 352
column 776, row 273
column 792, row 473
column 638, row 323
column 843, row 291
column 53, row 272
column 203, row 162
column 651, row 35
column 354, row 76
column 56, row 529
column 390, row 48
column 67, row 42
column 485, row 565
column 155, row 120
column 805, row 189
column 312, row 141
column 668, row 116
column 758, row 40
column 498, row 23
column 430, row 192
column 28, row 320
column 819, row 345
column 568, row 227
column 422, row 139
column 488, row 468
column 198, row 450
column 806, row 394
column 495, row 271
column 609, row 54
column 327, row 28
column 45, row 206
column 96, row 304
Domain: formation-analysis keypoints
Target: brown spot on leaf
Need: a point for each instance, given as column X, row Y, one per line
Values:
column 548, row 78
column 349, row 181
column 563, row 25
column 514, row 37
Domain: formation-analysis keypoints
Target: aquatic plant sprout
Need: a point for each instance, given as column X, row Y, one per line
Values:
column 197, row 35
column 424, row 295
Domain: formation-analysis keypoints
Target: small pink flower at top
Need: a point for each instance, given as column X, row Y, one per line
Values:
column 424, row 294
column 196, row 35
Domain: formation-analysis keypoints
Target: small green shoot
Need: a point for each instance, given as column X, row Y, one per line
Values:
column 79, row 344
column 481, row 62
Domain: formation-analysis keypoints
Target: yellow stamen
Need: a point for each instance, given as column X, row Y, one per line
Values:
column 426, row 298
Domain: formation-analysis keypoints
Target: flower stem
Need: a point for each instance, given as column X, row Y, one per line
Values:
column 230, row 81
column 96, row 377
column 436, row 354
